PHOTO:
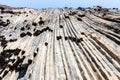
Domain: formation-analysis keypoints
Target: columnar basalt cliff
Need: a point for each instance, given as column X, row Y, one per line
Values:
column 59, row 43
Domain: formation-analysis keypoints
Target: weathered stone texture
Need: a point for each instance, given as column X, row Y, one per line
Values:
column 59, row 44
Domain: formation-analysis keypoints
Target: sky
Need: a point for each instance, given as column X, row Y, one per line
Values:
column 61, row 3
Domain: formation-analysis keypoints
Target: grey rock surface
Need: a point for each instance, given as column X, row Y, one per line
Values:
column 59, row 43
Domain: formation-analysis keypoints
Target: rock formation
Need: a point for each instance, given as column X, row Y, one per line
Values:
column 59, row 43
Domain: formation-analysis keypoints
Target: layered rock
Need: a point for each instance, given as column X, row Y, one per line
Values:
column 59, row 43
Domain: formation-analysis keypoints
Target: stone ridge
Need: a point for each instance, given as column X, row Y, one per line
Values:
column 60, row 43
